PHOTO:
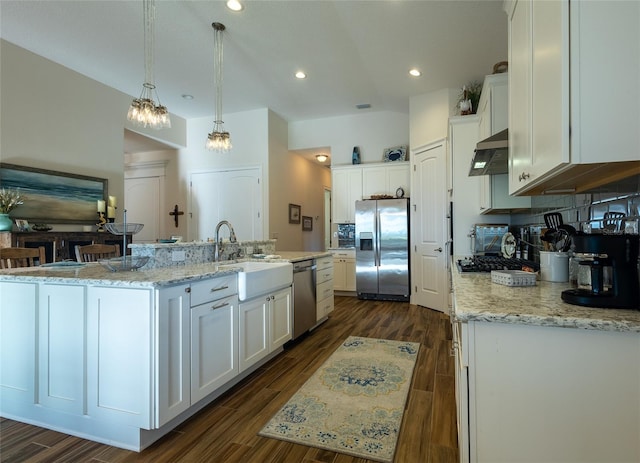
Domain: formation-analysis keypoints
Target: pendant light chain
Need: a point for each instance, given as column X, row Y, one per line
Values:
column 144, row 112
column 219, row 139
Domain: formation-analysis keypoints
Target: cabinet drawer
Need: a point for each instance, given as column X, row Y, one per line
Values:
column 324, row 290
column 324, row 275
column 324, row 262
column 213, row 288
column 324, row 307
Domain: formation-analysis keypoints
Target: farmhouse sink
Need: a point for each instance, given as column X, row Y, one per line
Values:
column 256, row 278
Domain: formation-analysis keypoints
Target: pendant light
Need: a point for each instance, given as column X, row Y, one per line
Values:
column 218, row 140
column 144, row 112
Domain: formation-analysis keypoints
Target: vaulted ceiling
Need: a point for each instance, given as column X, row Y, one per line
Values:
column 354, row 52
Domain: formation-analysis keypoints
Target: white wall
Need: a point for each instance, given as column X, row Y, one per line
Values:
column 372, row 132
column 56, row 119
column 294, row 180
column 429, row 116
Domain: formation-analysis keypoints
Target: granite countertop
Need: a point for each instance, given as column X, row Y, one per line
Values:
column 95, row 273
column 476, row 298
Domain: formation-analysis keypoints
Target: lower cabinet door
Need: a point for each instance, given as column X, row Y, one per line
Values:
column 61, row 348
column 254, row 330
column 173, row 369
column 119, row 355
column 214, row 348
column 18, row 312
column 281, row 318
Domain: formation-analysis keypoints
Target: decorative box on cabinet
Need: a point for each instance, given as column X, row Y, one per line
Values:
column 324, row 287
column 572, row 127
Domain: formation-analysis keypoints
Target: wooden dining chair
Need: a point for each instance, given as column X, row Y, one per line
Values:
column 95, row 252
column 22, row 257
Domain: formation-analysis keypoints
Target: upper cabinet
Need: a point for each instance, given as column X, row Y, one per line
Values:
column 493, row 110
column 574, row 70
column 356, row 182
column 346, row 186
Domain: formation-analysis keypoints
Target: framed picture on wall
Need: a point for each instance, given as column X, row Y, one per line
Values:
column 307, row 223
column 54, row 197
column 294, row 213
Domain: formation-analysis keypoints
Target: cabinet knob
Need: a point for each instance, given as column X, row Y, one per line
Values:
column 187, row 289
column 523, row 176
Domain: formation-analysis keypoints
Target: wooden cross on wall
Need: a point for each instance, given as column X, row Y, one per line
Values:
column 175, row 213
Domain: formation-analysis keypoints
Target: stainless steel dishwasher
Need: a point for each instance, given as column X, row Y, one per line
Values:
column 304, row 296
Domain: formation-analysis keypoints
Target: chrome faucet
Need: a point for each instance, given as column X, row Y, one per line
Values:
column 232, row 238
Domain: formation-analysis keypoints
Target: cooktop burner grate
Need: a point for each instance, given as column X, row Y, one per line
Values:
column 478, row 264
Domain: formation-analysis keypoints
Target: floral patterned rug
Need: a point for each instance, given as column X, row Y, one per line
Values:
column 354, row 402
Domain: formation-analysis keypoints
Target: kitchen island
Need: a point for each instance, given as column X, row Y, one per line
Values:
column 124, row 357
column 540, row 380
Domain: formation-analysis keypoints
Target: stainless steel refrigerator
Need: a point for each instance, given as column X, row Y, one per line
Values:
column 382, row 249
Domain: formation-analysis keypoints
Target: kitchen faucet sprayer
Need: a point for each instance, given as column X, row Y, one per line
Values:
column 218, row 242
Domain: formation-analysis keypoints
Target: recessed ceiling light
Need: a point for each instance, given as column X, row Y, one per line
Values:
column 415, row 72
column 321, row 157
column 234, row 5
column 301, row 75
column 187, row 97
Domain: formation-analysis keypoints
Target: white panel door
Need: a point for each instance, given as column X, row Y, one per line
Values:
column 143, row 203
column 429, row 225
column 235, row 196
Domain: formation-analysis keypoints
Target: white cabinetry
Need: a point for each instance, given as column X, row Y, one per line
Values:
column 18, row 335
column 119, row 355
column 493, row 117
column 346, row 189
column 173, row 355
column 529, row 385
column 385, row 179
column 214, row 334
column 344, row 270
column 324, row 286
column 353, row 183
column 573, row 122
column 265, row 324
column 61, row 341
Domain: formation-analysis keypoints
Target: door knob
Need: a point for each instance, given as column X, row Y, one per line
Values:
column 438, row 249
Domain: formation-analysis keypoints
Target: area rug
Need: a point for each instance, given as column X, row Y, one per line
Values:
column 354, row 402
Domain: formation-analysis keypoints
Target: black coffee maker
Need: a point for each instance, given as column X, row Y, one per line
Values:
column 619, row 255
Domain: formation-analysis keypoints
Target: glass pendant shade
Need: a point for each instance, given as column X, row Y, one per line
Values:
column 219, row 139
column 144, row 112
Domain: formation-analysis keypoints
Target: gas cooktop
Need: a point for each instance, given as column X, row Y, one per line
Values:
column 477, row 264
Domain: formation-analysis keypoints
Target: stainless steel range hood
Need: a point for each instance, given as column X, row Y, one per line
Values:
column 491, row 155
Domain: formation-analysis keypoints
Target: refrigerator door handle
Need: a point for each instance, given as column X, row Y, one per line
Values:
column 376, row 245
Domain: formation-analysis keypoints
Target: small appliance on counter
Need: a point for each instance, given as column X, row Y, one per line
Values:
column 610, row 257
column 487, row 238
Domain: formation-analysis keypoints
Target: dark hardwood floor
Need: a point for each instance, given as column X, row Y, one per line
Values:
column 226, row 431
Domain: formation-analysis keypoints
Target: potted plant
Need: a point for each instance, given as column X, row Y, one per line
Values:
column 9, row 200
column 469, row 98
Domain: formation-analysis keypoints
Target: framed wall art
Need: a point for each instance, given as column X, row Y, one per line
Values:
column 396, row 153
column 307, row 223
column 54, row 197
column 294, row 213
